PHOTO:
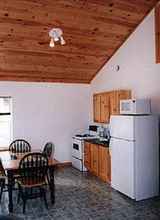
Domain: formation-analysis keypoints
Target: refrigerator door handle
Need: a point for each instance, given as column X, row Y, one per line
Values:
column 117, row 138
column 110, row 146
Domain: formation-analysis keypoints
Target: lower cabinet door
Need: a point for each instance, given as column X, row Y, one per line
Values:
column 97, row 161
column 104, row 164
column 94, row 159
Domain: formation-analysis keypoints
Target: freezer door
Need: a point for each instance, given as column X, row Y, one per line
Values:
column 122, row 166
column 122, row 127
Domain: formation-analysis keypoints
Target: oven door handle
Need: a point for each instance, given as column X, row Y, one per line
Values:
column 76, row 158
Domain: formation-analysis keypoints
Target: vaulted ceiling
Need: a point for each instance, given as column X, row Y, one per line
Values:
column 93, row 30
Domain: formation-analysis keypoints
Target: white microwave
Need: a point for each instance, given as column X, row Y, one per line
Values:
column 135, row 106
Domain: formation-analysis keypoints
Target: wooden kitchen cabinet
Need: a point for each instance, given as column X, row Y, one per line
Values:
column 94, row 159
column 104, row 164
column 96, row 107
column 97, row 161
column 108, row 103
column 101, row 107
column 104, row 108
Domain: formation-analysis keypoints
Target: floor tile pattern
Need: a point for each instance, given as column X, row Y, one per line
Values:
column 84, row 197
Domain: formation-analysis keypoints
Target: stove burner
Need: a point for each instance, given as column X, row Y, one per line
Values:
column 84, row 135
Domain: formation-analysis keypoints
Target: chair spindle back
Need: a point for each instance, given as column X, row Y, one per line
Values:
column 33, row 168
column 20, row 146
column 48, row 149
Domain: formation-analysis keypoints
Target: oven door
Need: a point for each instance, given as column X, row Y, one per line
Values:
column 77, row 163
column 77, row 148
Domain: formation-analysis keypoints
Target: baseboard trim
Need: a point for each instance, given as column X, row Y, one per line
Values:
column 65, row 164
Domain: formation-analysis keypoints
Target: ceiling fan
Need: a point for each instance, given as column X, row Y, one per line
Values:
column 56, row 35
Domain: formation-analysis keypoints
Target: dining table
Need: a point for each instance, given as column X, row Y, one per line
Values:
column 10, row 164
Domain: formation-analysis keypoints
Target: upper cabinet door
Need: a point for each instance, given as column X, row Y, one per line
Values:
column 96, row 108
column 105, row 109
column 108, row 103
column 102, row 159
column 157, row 30
column 113, row 103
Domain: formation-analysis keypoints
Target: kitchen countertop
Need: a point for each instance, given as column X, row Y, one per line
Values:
column 103, row 143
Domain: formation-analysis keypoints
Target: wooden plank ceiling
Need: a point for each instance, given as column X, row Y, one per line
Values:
column 93, row 30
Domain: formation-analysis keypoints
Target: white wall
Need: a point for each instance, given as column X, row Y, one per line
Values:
column 48, row 112
column 138, row 70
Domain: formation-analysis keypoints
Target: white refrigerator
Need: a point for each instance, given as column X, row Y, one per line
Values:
column 134, row 147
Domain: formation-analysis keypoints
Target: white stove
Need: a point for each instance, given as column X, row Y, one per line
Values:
column 78, row 150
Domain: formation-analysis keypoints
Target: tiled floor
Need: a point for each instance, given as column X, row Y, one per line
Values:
column 84, row 197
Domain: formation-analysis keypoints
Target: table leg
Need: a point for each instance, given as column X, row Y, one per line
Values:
column 52, row 184
column 10, row 185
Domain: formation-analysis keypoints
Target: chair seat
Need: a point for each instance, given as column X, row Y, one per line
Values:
column 31, row 183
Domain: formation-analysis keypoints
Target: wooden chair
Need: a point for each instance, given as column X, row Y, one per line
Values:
column 32, row 170
column 3, row 180
column 20, row 146
column 48, row 149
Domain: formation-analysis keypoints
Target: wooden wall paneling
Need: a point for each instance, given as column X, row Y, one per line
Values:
column 157, row 30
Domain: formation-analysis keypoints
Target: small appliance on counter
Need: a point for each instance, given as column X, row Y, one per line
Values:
column 103, row 133
column 135, row 107
column 78, row 147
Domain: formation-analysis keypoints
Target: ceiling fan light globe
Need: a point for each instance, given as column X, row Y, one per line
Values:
column 51, row 43
column 63, row 42
column 56, row 39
